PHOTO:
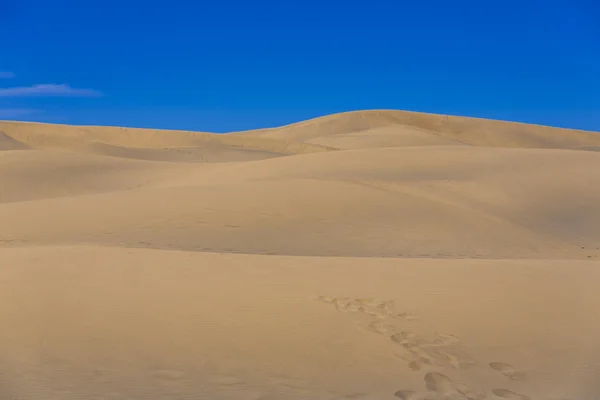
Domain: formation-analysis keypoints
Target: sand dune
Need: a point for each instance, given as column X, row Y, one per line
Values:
column 393, row 202
column 107, row 140
column 470, row 131
column 385, row 255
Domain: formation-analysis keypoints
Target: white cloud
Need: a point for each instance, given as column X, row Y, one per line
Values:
column 48, row 90
column 8, row 113
column 6, row 75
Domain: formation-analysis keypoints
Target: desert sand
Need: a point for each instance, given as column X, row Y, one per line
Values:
column 366, row 255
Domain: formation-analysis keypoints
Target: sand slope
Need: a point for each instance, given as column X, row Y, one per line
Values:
column 386, row 136
column 34, row 174
column 385, row 255
column 8, row 143
column 393, row 202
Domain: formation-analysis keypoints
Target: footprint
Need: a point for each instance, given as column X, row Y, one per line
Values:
column 354, row 306
column 415, row 352
column 469, row 392
column 344, row 304
column 418, row 365
column 507, row 370
column 405, row 337
column 439, row 383
column 509, row 394
column 374, row 307
column 386, row 308
column 369, row 302
column 415, row 360
column 381, row 327
column 326, row 299
column 446, row 358
column 408, row 316
column 341, row 303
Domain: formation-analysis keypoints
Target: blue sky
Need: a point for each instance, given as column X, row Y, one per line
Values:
column 230, row 65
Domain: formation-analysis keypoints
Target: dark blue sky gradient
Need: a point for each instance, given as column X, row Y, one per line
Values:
column 231, row 65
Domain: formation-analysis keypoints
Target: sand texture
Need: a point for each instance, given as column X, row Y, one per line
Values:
column 373, row 255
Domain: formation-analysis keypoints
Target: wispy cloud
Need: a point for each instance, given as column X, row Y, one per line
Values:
column 48, row 90
column 6, row 75
column 8, row 113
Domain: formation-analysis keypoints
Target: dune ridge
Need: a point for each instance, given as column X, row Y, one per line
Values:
column 373, row 255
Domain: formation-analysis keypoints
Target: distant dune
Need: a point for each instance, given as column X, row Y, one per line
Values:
column 350, row 130
column 403, row 128
column 152, row 144
column 380, row 255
